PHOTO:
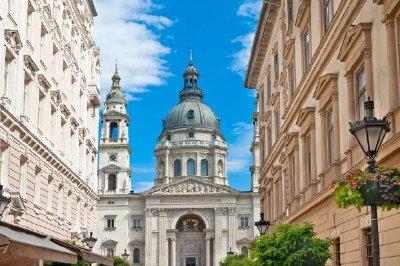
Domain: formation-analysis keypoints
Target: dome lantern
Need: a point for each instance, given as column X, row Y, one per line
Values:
column 191, row 89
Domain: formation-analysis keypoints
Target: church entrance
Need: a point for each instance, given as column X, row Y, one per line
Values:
column 190, row 248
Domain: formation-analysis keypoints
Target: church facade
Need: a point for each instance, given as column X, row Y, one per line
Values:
column 190, row 216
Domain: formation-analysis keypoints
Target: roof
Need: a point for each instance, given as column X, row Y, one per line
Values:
column 25, row 246
column 261, row 41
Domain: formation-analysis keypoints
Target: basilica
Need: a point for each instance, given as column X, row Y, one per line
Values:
column 191, row 216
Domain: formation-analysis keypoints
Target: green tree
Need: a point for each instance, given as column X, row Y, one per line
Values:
column 237, row 260
column 291, row 245
column 118, row 261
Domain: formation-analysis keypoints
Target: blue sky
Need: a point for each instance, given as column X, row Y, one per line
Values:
column 152, row 40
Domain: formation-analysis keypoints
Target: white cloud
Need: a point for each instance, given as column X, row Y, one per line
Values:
column 250, row 11
column 129, row 32
column 142, row 186
column 239, row 159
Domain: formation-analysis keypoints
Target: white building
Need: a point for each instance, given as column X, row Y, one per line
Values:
column 191, row 216
column 49, row 75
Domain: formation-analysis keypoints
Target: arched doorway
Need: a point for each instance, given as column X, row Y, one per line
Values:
column 190, row 241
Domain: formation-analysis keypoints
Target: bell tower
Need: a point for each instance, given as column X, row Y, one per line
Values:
column 114, row 150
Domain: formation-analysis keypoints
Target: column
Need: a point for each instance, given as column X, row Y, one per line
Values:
column 207, row 252
column 369, row 85
column 324, row 142
column 162, row 242
column 231, row 223
column 350, row 106
column 173, row 251
column 218, row 252
column 148, row 240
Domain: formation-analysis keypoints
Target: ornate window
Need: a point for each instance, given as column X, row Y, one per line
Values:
column 329, row 123
column 190, row 223
column 306, row 48
column 23, row 164
column 37, row 186
column 268, row 85
column 190, row 114
column 276, row 65
column 114, row 131
column 136, row 255
column 110, row 222
column 327, row 13
column 244, row 221
column 112, row 182
column 290, row 11
column 367, row 239
column 110, row 252
column 244, row 251
column 136, row 222
column 360, row 83
column 191, row 167
column 303, row 21
column 308, row 158
column 204, row 167
column 177, row 168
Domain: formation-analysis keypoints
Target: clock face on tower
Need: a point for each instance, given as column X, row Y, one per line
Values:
column 112, row 157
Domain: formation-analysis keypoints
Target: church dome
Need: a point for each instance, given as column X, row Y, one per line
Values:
column 191, row 113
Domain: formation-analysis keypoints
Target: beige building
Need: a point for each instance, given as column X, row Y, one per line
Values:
column 313, row 64
column 49, row 75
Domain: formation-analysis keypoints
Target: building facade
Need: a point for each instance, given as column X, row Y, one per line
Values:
column 314, row 64
column 49, row 115
column 190, row 216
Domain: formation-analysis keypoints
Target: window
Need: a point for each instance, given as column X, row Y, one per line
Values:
column 327, row 13
column 110, row 252
column 136, row 255
column 336, row 252
column 37, row 187
column 277, row 123
column 177, row 168
column 137, row 223
column 276, row 65
column 268, row 86
column 7, row 73
column 269, row 139
column 368, row 246
column 293, row 175
column 204, row 167
column 191, row 134
column 25, row 99
column 244, row 251
column 244, row 221
column 308, row 157
column 190, row 114
column 329, row 117
column 112, row 182
column 110, row 223
column 290, row 11
column 49, row 195
column 114, row 131
column 29, row 22
column 168, row 137
column 60, row 211
column 191, row 167
column 360, row 93
column 306, row 48
column 40, row 110
column 43, row 46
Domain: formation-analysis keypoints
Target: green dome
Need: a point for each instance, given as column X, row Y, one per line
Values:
column 191, row 113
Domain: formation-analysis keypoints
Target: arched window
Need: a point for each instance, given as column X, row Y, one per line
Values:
column 136, row 255
column 114, row 131
column 204, row 167
column 191, row 167
column 112, row 182
column 177, row 168
column 220, row 168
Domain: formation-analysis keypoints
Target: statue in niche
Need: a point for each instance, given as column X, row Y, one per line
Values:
column 220, row 168
column 161, row 169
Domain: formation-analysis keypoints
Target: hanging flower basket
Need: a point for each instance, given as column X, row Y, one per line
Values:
column 360, row 188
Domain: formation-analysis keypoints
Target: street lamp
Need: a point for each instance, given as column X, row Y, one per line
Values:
column 370, row 133
column 230, row 252
column 262, row 225
column 4, row 201
column 90, row 241
column 125, row 255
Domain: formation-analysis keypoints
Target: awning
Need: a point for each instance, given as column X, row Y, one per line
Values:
column 86, row 254
column 20, row 246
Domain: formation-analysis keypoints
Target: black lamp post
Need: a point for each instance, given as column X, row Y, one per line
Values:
column 90, row 241
column 4, row 201
column 230, row 252
column 262, row 225
column 125, row 255
column 370, row 133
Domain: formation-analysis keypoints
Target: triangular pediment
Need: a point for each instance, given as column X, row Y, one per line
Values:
column 243, row 241
column 112, row 168
column 190, row 185
column 353, row 35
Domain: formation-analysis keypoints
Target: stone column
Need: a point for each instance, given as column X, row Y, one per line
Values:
column 162, row 233
column 369, row 84
column 173, row 251
column 148, row 237
column 351, row 106
column 231, row 224
column 324, row 142
column 207, row 252
column 218, row 252
column 167, row 174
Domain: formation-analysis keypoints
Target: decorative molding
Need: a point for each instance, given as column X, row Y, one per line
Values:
column 13, row 39
column 44, row 83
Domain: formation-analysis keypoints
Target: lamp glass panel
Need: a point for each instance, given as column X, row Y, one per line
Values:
column 373, row 137
column 361, row 136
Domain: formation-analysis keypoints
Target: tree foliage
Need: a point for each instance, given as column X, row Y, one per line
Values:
column 237, row 260
column 290, row 245
column 118, row 261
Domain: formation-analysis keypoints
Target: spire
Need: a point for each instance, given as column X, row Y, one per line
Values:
column 190, row 82
column 116, row 78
